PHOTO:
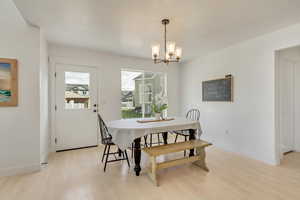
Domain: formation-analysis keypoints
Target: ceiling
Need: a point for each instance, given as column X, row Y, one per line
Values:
column 130, row 27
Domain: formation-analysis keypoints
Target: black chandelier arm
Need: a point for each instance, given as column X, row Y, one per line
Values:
column 156, row 61
column 177, row 60
column 173, row 60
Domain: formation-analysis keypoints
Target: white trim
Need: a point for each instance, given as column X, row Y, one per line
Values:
column 278, row 154
column 20, row 170
column 52, row 70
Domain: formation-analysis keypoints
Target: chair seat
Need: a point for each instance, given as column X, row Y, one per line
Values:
column 108, row 141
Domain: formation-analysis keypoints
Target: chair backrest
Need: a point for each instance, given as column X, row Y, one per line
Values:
column 193, row 114
column 105, row 136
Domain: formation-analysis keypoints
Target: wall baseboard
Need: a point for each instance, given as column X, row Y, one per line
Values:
column 20, row 170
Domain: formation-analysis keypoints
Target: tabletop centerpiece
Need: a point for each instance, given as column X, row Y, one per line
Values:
column 158, row 110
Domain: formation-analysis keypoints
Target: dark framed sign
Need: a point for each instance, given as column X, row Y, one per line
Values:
column 218, row 89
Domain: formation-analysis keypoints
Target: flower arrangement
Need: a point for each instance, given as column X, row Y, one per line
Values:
column 160, row 105
column 159, row 108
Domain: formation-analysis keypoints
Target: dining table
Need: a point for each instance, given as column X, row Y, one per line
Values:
column 124, row 132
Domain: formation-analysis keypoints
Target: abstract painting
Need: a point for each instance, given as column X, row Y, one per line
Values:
column 8, row 82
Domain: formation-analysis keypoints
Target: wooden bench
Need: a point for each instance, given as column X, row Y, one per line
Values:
column 198, row 159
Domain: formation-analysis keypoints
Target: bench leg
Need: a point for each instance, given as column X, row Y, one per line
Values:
column 201, row 163
column 152, row 171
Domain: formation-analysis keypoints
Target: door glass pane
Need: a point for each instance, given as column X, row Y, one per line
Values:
column 77, row 90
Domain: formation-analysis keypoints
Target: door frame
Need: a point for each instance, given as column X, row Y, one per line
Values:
column 53, row 61
column 278, row 148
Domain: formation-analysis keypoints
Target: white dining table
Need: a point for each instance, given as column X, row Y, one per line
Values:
column 126, row 131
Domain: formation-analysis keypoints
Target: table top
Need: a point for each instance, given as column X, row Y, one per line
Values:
column 126, row 130
column 133, row 124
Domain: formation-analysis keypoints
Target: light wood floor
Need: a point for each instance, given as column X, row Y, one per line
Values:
column 77, row 174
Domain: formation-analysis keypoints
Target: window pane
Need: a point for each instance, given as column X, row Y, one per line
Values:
column 131, row 105
column 154, row 92
column 139, row 91
column 77, row 90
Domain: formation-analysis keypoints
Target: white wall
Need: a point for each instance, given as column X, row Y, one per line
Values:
column 246, row 126
column 44, row 97
column 19, row 132
column 109, row 67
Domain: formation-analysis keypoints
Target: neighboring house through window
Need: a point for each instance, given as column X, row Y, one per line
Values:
column 139, row 91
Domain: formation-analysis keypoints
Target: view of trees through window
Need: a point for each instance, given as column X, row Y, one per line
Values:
column 139, row 91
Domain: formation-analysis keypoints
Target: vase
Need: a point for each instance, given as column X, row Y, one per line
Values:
column 157, row 116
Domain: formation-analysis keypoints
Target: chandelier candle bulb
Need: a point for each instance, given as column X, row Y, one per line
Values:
column 171, row 48
column 155, row 51
column 167, row 58
column 178, row 52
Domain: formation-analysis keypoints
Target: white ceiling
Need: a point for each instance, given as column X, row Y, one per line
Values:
column 130, row 27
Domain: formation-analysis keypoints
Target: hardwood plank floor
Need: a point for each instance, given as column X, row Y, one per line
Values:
column 77, row 174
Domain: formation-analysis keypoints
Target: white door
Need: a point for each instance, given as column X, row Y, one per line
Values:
column 286, row 105
column 76, row 107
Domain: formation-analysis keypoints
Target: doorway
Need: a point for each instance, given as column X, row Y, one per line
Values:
column 75, row 107
column 287, row 80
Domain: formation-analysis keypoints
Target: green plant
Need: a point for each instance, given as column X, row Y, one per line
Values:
column 158, row 108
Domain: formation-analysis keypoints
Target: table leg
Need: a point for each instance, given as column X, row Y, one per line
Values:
column 165, row 137
column 119, row 152
column 137, row 156
column 192, row 137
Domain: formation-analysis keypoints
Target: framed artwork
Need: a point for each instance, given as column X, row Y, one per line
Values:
column 8, row 82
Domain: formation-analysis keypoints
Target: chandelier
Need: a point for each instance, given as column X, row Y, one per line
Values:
column 171, row 52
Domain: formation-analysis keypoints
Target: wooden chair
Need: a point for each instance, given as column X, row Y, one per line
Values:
column 193, row 114
column 106, row 139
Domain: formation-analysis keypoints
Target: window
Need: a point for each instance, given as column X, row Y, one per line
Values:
column 139, row 91
column 77, row 90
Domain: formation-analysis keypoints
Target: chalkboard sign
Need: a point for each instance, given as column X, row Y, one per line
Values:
column 217, row 90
